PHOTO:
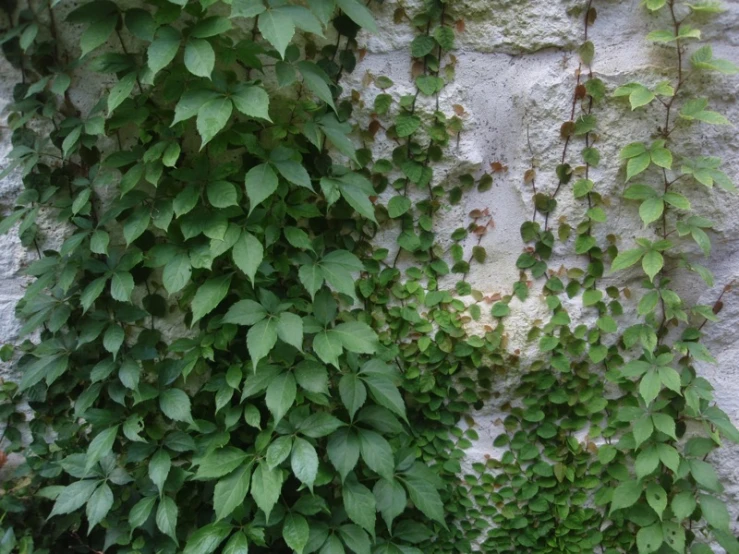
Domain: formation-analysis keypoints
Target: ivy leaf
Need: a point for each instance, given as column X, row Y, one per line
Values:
column 208, row 296
column 230, row 492
column 357, row 337
column 266, row 487
column 166, row 518
column 98, row 33
column 220, row 462
column 651, row 210
column 73, row 497
column 261, row 183
column 696, row 110
column 626, row 259
column 398, row 206
column 121, row 91
column 100, row 446
column 343, row 451
column 407, row 124
column 359, row 503
column 277, row 28
column 237, row 544
column 652, row 263
column 248, row 254
column 245, row 312
column 391, row 500
column 140, row 512
column 200, row 59
column 177, row 273
column 304, row 462
column 714, row 512
column 424, row 495
column 247, row 8
column 317, row 81
column 206, row 539
column 163, row 49
column 252, row 101
column 295, row 531
column 260, row 339
column 683, row 504
column 353, row 393
column 212, row 118
column 176, row 405
column 222, row 194
column 656, row 498
column 377, row 453
column 159, row 467
column 359, row 14
column 705, row 475
column 290, row 329
column 649, row 539
column 281, row 393
column 626, row 495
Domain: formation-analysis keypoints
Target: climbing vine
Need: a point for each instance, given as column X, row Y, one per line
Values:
column 226, row 353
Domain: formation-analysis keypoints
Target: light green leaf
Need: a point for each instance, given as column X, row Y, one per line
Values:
column 398, row 206
column 656, row 498
column 359, row 503
column 163, row 49
column 248, row 254
column 626, row 495
column 281, row 392
column 359, row 14
column 230, row 492
column 141, row 511
column 121, row 91
column 212, row 118
column 252, row 101
column 176, row 405
column 166, row 517
column 266, row 487
column 317, row 81
column 651, row 210
column 200, row 58
column 100, row 446
column 296, row 532
column 277, row 28
column 714, row 512
column 353, row 393
column 247, row 8
column 177, row 273
column 304, row 462
column 652, row 263
column 73, row 497
column 220, row 462
column 99, row 505
column 377, row 453
column 208, row 296
column 649, row 539
column 245, row 312
column 98, row 32
column 357, row 337
column 683, row 504
column 261, row 338
column 290, row 329
column 222, row 194
column 343, row 451
column 261, row 182
column 237, row 544
column 391, row 500
column 206, row 539
column 159, row 467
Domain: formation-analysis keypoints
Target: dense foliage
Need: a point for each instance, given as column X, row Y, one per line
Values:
column 222, row 357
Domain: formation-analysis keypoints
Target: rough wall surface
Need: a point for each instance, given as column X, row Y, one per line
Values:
column 514, row 78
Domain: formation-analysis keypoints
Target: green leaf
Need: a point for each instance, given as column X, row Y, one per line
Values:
column 166, row 517
column 683, row 504
column 237, row 544
column 391, row 500
column 343, row 451
column 73, row 497
column 626, row 495
column 99, row 505
column 176, row 405
column 220, row 462
column 92, row 292
column 377, row 453
column 200, row 58
column 353, row 393
column 407, row 124
column 208, row 296
column 212, row 118
column 290, row 329
column 177, row 273
column 210, row 27
column 359, row 14
column 651, row 210
column 261, row 338
column 141, row 511
column 248, row 254
column 252, row 101
column 359, row 503
column 649, row 539
column 190, row 103
column 317, row 81
column 652, row 263
column 357, row 337
column 385, row 393
column 424, row 495
column 304, row 462
column 100, row 446
column 278, row 451
column 714, row 512
column 296, row 532
column 656, row 498
column 98, row 33
column 163, row 49
column 705, row 475
column 261, row 182
column 245, row 312
column 230, row 492
column 357, row 192
column 637, row 165
column 398, row 206
column 281, row 393
column 121, row 91
column 294, row 172
column 159, row 467
column 266, row 487
column 222, row 194
column 650, row 386
column 277, row 28
column 206, row 539
column 247, row 8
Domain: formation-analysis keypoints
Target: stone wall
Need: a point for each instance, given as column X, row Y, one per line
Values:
column 515, row 74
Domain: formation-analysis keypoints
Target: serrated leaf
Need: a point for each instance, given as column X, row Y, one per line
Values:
column 277, row 28
column 230, row 492
column 208, row 296
column 200, row 59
